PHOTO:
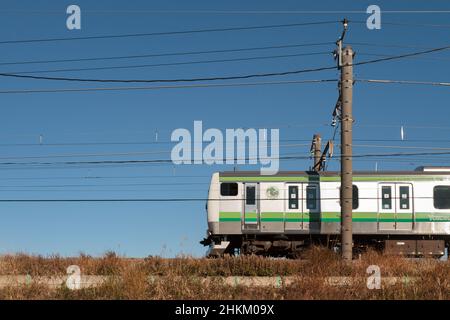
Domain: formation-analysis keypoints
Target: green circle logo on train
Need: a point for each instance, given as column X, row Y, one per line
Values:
column 272, row 192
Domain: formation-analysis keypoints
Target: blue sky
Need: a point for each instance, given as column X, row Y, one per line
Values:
column 97, row 122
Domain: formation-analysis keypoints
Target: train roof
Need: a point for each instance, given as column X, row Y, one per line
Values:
column 331, row 173
column 330, row 176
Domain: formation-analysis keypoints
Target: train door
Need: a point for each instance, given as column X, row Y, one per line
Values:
column 404, row 215
column 386, row 206
column 293, row 219
column 395, row 206
column 251, row 210
column 311, row 205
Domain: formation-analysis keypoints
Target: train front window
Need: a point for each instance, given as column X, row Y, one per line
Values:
column 229, row 189
column 441, row 197
column 386, row 197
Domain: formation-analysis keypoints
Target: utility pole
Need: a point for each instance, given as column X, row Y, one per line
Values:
column 345, row 56
column 316, row 148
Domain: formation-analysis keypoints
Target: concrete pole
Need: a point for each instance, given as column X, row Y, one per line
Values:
column 346, row 153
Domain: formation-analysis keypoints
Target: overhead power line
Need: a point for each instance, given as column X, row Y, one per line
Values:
column 417, row 58
column 143, row 153
column 158, row 161
column 169, row 33
column 388, row 45
column 172, row 176
column 409, row 160
column 106, row 185
column 224, row 85
column 411, row 82
column 142, row 190
column 406, row 24
column 179, row 199
column 192, row 86
column 397, row 147
column 184, row 53
column 177, row 63
column 169, row 54
column 264, row 12
column 247, row 76
column 409, row 127
column 406, row 55
column 63, row 144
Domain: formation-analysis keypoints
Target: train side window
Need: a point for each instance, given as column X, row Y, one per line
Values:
column 404, row 197
column 311, row 198
column 441, row 197
column 355, row 196
column 250, row 198
column 386, row 197
column 229, row 189
column 293, row 197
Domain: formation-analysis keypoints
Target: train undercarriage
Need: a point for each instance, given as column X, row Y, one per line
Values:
column 293, row 246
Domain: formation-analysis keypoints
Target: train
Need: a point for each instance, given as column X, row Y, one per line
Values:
column 397, row 212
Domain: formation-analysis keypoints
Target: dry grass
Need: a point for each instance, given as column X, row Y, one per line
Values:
column 180, row 278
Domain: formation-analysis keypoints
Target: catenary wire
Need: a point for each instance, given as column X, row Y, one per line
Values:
column 205, row 85
column 136, row 66
column 223, row 160
column 169, row 33
column 168, row 54
column 237, row 77
column 142, row 153
column 178, row 199
column 409, row 82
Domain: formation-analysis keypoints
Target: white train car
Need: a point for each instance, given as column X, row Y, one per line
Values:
column 399, row 212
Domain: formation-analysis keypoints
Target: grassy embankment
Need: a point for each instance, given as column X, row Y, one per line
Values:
column 181, row 278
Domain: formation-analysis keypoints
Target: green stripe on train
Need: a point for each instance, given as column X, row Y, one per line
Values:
column 251, row 217
column 229, row 216
column 336, row 217
column 257, row 179
column 432, row 217
column 279, row 217
column 331, row 179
